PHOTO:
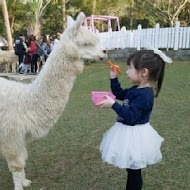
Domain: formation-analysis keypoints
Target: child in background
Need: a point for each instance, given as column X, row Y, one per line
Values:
column 132, row 143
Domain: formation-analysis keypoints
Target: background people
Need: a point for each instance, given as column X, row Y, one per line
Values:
column 20, row 49
column 45, row 45
column 33, row 50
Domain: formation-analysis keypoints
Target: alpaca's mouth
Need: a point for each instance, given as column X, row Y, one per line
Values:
column 102, row 58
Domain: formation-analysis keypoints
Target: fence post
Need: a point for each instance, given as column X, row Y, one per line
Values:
column 156, row 45
column 176, row 37
column 139, row 37
column 188, row 38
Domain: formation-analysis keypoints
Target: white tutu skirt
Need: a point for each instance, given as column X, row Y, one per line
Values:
column 131, row 147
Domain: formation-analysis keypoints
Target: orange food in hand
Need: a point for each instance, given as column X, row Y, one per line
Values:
column 114, row 66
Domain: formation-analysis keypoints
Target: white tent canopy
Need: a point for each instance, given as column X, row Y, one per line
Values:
column 3, row 42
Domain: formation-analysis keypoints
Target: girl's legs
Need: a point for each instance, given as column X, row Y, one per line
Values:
column 21, row 60
column 36, row 60
column 34, row 63
column 134, row 180
column 38, row 64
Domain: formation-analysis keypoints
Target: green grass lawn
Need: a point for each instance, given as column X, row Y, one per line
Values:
column 69, row 158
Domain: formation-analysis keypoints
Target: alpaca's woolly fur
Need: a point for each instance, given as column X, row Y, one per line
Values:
column 43, row 100
column 9, row 59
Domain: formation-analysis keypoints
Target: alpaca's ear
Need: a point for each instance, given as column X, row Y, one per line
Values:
column 70, row 22
column 79, row 21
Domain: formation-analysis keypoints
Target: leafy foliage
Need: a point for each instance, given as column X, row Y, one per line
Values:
column 131, row 13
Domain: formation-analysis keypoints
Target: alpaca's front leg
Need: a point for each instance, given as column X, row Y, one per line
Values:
column 20, row 181
column 16, row 163
column 17, row 179
column 25, row 182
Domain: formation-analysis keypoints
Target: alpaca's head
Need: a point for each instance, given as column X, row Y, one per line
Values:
column 86, row 42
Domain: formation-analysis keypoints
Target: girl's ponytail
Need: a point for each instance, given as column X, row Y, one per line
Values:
column 160, row 80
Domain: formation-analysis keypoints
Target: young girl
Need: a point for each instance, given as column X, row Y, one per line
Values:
column 132, row 143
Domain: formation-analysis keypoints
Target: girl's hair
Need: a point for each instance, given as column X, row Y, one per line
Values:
column 31, row 38
column 151, row 61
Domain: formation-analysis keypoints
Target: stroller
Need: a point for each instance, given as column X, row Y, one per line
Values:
column 25, row 67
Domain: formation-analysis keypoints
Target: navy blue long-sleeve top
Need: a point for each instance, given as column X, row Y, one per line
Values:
column 137, row 103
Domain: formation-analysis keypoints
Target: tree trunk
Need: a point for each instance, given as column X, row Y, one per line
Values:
column 12, row 19
column 94, row 7
column 64, row 13
column 178, row 11
column 7, row 24
column 131, row 14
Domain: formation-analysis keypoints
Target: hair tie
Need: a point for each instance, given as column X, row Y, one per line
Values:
column 162, row 55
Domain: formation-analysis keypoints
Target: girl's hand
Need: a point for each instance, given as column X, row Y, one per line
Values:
column 107, row 103
column 113, row 66
column 113, row 73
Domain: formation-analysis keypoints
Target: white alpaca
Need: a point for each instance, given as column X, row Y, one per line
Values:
column 44, row 100
column 10, row 59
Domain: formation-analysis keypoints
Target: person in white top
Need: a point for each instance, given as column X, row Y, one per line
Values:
column 56, row 41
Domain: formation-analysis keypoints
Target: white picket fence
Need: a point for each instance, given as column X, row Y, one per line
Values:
column 173, row 38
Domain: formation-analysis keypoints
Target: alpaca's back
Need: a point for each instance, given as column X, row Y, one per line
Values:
column 9, row 59
column 8, row 56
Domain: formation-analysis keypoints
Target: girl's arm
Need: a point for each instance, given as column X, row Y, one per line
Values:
column 115, row 85
column 117, row 90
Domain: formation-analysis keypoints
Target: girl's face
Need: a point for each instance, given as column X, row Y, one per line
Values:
column 134, row 75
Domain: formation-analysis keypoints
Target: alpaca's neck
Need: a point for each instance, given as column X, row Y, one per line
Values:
column 53, row 82
column 52, row 87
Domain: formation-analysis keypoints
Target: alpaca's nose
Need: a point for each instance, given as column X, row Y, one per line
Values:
column 105, row 51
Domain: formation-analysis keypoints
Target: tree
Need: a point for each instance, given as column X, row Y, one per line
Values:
column 12, row 17
column 53, row 15
column 63, row 3
column 7, row 24
column 184, row 17
column 173, row 12
column 17, row 9
column 168, row 11
column 64, row 13
column 35, row 15
column 94, row 7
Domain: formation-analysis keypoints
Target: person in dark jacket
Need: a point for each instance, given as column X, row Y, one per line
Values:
column 20, row 49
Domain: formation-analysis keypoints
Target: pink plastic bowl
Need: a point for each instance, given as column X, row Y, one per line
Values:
column 98, row 96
